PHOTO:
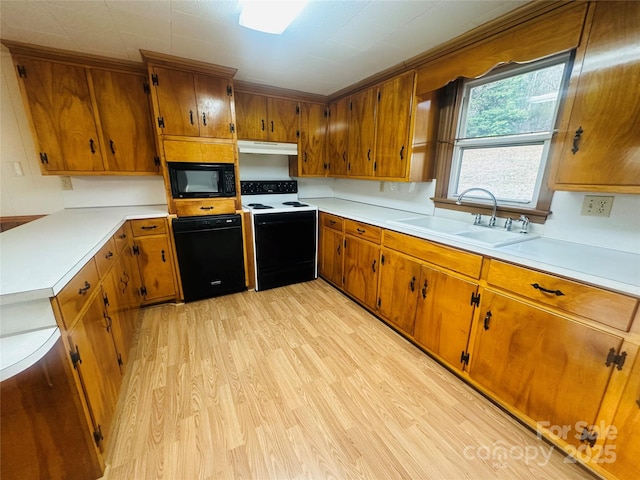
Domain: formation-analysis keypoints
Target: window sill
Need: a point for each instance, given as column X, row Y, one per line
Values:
column 503, row 211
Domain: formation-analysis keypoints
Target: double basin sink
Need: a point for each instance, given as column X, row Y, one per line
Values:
column 479, row 235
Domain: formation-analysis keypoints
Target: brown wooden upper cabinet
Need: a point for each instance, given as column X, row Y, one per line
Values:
column 598, row 143
column 62, row 114
column 192, row 104
column 87, row 120
column 338, row 137
column 267, row 118
column 311, row 159
column 362, row 124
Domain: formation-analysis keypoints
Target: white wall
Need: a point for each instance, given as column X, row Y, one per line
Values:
column 34, row 193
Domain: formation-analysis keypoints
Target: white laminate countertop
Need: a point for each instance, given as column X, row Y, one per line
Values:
column 602, row 267
column 39, row 258
column 36, row 261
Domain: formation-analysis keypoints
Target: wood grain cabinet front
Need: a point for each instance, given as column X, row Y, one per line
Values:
column 598, row 143
column 155, row 260
column 361, row 262
column 338, row 137
column 311, row 160
column 86, row 120
column 267, row 118
column 73, row 297
column 331, row 248
column 552, row 369
column 193, row 104
column 209, row 206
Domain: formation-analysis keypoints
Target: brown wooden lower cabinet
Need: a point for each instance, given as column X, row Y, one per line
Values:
column 44, row 431
column 444, row 315
column 331, row 250
column 621, row 453
column 549, row 367
column 361, row 267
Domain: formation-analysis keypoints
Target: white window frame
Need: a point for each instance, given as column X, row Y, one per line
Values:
column 539, row 138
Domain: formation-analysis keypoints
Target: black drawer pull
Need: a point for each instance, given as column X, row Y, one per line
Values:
column 424, row 289
column 163, row 257
column 263, row 124
column 84, row 289
column 191, row 117
column 91, row 145
column 332, row 222
column 373, row 267
column 412, row 284
column 546, row 290
column 149, row 228
column 402, row 153
column 123, row 236
column 108, row 255
column 206, row 208
column 112, row 145
column 204, row 119
column 487, row 319
column 360, row 230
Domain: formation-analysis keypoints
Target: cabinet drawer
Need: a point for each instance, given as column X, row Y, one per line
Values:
column 106, row 257
column 121, row 237
column 608, row 308
column 214, row 206
column 447, row 257
column 177, row 151
column 331, row 221
column 75, row 294
column 363, row 230
column 148, row 226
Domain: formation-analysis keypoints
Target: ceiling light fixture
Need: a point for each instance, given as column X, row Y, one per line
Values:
column 270, row 16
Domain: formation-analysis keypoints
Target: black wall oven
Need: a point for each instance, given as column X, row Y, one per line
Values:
column 202, row 180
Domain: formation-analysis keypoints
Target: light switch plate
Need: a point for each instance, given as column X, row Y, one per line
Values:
column 596, row 206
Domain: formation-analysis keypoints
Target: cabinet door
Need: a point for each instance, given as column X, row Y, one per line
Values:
column 62, row 113
column 98, row 367
column 362, row 121
column 214, row 106
column 126, row 120
column 399, row 285
column 626, row 445
column 395, row 98
column 331, row 247
column 283, row 116
column 251, row 116
column 444, row 314
column 313, row 129
column 338, row 133
column 177, row 102
column 154, row 260
column 548, row 367
column 361, row 267
column 604, row 118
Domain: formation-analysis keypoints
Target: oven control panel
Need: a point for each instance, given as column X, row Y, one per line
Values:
column 266, row 187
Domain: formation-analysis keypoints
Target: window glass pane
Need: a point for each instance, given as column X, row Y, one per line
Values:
column 510, row 173
column 522, row 103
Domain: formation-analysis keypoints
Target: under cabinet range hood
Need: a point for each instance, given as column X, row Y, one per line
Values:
column 267, row 148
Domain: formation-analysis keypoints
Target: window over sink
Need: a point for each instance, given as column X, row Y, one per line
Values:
column 503, row 132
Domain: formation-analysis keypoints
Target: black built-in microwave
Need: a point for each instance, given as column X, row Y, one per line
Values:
column 202, row 180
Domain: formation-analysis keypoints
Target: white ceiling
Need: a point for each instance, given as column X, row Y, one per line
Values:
column 330, row 46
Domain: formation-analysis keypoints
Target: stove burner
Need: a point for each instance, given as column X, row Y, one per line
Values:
column 295, row 204
column 259, row 206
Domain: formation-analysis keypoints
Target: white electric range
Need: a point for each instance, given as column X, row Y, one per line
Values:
column 285, row 233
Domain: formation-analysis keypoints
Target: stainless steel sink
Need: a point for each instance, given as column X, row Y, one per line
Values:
column 462, row 232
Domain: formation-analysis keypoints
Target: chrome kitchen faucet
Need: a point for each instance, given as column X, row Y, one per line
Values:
column 492, row 220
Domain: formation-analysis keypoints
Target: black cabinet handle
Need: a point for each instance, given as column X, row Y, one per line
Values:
column 123, row 236
column 546, row 290
column 305, row 156
column 191, row 117
column 332, row 222
column 487, row 319
column 412, row 284
column 108, row 321
column 149, row 228
column 638, row 402
column 204, row 119
column 369, row 154
column 344, row 156
column 402, row 153
column 111, row 145
column 271, row 125
column 206, row 208
column 263, row 124
column 360, row 230
column 108, row 255
column 84, row 289
column 576, row 140
column 424, row 290
column 91, row 145
column 163, row 257
column 373, row 267
column 339, row 249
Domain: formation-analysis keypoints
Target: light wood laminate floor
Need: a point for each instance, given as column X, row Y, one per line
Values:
column 300, row 382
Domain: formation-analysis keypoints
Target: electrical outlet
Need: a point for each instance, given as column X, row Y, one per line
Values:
column 66, row 183
column 596, row 206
